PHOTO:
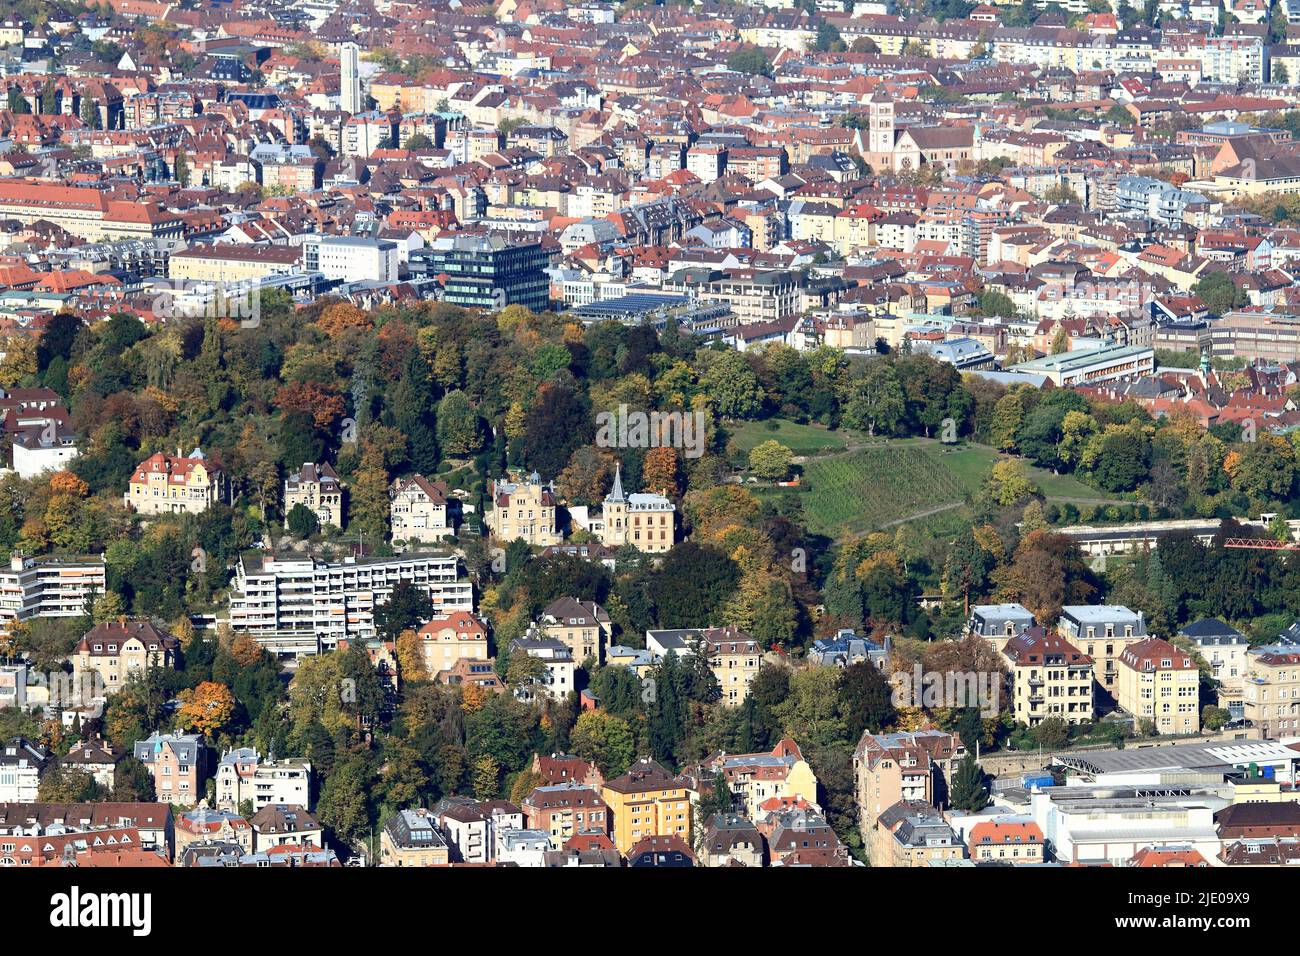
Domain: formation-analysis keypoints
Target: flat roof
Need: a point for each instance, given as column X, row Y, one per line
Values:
column 1082, row 358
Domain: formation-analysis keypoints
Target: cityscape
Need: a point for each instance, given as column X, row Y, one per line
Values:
column 700, row 434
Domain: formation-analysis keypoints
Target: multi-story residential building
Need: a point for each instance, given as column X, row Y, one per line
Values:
column 243, row 775
column 294, row 603
column 582, row 626
column 1015, row 841
column 418, row 510
column 661, row 851
column 114, row 650
column 1271, row 695
column 170, row 484
column 1050, row 678
column 524, row 510
column 645, row 801
column 318, row 489
column 1224, row 649
column 231, row 264
column 1102, row 632
column 998, row 623
column 412, row 838
column 564, row 768
column 733, row 656
column 1160, row 683
column 755, row 778
column 565, row 810
column 908, row 767
column 913, row 834
column 152, row 822
column 556, row 681
column 645, row 521
column 178, row 763
column 729, row 840
column 97, row 757
column 21, row 765
column 285, row 824
column 48, row 587
column 487, row 272
column 206, row 826
column 450, row 638
column 474, row 829
column 801, row 836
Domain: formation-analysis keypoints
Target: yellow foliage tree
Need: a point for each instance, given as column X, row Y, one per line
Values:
column 206, row 708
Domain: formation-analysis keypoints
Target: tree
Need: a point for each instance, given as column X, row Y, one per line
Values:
column 459, row 431
column 90, row 113
column 866, row 699
column 771, row 461
column 730, row 384
column 132, row 782
column 1008, row 484
column 555, row 426
column 344, row 804
column 1045, row 573
column 875, row 400
column 302, row 521
column 605, row 740
column 828, row 38
column 408, row 606
column 969, row 792
column 1062, row 195
column 410, row 656
column 661, row 471
column 750, row 60
column 1219, row 292
column 207, row 708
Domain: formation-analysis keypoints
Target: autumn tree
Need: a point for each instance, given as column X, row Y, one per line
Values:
column 207, row 708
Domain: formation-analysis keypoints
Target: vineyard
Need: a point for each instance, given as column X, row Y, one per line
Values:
column 869, row 488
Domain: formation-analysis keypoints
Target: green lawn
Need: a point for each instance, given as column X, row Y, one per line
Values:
column 883, row 483
column 800, row 439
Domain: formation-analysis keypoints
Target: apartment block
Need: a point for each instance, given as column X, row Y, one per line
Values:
column 1050, row 678
column 294, row 603
column 1160, row 683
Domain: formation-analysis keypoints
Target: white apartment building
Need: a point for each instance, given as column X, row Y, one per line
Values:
column 351, row 258
column 48, row 587
column 286, row 601
column 21, row 765
column 243, row 774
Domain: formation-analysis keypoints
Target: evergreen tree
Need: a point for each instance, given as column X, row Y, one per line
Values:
column 968, row 790
column 413, row 417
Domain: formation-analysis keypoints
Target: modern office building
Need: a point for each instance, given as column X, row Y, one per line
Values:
column 1087, row 366
column 486, row 272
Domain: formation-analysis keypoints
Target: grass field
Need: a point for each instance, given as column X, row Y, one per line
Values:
column 971, row 464
column 921, row 480
column 800, row 439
